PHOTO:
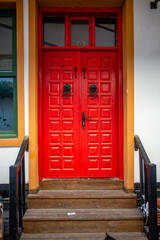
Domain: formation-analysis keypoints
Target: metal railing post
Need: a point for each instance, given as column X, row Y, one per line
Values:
column 148, row 188
column 20, row 196
column 23, row 186
column 141, row 178
column 146, row 184
column 17, row 197
column 13, row 194
column 152, row 185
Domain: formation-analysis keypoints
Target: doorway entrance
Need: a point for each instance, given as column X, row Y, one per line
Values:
column 80, row 111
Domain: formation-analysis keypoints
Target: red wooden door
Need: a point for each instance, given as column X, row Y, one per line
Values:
column 70, row 150
column 60, row 115
column 99, row 138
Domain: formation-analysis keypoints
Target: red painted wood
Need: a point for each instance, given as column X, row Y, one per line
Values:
column 93, row 31
column 80, row 18
column 81, row 158
column 111, row 11
column 99, row 138
column 69, row 150
column 40, row 134
column 61, row 119
column 120, row 98
column 86, row 47
column 67, row 31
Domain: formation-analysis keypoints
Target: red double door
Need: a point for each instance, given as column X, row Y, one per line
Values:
column 70, row 149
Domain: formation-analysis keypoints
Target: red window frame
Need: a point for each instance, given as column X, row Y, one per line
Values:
column 69, row 29
column 69, row 15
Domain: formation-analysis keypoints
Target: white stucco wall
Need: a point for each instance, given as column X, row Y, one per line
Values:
column 147, row 79
column 8, row 157
column 26, row 55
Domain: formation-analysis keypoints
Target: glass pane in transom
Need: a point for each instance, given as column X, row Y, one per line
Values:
column 5, row 43
column 54, row 31
column 105, row 32
column 79, row 32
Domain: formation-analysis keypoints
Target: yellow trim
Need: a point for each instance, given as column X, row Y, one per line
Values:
column 128, row 93
column 33, row 95
column 128, row 82
column 20, row 76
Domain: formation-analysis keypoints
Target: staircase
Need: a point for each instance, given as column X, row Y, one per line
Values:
column 82, row 209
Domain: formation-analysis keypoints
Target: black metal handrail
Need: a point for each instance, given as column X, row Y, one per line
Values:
column 17, row 198
column 153, row 5
column 148, row 189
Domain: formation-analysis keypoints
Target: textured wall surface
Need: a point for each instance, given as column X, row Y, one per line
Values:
column 147, row 79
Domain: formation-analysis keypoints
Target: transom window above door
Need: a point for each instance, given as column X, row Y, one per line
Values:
column 79, row 31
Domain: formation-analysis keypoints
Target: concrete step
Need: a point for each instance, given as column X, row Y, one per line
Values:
column 82, row 199
column 81, row 184
column 82, row 220
column 84, row 236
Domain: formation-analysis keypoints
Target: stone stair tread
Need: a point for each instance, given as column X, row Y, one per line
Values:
column 82, row 214
column 116, row 194
column 86, row 236
column 62, row 180
column 81, row 183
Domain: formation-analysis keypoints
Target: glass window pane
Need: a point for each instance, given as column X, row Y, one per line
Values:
column 105, row 32
column 54, row 32
column 5, row 44
column 6, row 104
column 80, row 32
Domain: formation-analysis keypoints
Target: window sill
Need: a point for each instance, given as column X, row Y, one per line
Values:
column 11, row 142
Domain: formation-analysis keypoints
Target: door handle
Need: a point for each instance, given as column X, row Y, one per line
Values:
column 84, row 72
column 75, row 70
column 84, row 119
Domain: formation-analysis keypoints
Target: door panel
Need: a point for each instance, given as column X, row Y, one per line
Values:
column 69, row 150
column 60, row 115
column 99, row 138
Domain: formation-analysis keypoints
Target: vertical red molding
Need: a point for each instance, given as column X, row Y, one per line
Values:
column 40, row 136
column 66, row 31
column 93, row 30
column 120, row 97
column 90, row 31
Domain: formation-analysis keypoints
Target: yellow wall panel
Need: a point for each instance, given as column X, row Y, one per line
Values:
column 33, row 95
column 128, row 93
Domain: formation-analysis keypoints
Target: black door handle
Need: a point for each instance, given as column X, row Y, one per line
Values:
column 75, row 69
column 83, row 120
column 84, row 72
